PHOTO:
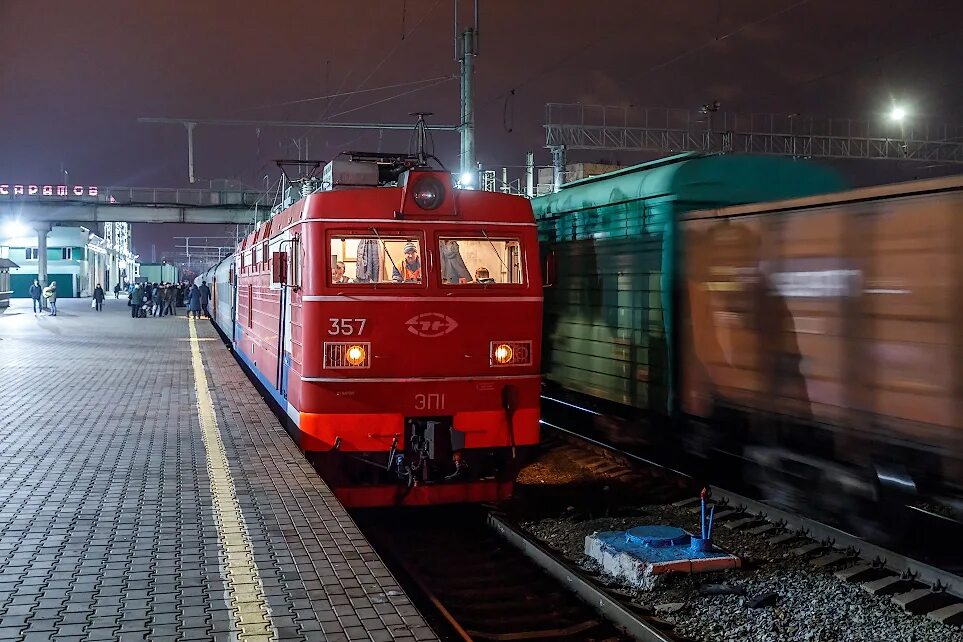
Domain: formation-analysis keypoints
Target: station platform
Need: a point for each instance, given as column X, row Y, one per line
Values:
column 148, row 493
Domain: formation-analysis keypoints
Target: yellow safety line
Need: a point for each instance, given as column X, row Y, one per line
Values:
column 253, row 618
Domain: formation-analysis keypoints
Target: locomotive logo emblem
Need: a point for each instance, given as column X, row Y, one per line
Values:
column 431, row 324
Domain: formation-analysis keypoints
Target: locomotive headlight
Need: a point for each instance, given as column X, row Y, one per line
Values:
column 428, row 192
column 339, row 354
column 503, row 353
column 355, row 355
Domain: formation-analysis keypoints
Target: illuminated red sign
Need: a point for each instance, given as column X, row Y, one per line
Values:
column 7, row 189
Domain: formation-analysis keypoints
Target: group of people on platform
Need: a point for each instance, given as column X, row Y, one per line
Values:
column 144, row 299
column 161, row 299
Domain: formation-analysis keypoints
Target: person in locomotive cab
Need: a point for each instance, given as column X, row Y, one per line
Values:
column 410, row 271
column 338, row 275
column 453, row 268
column 482, row 276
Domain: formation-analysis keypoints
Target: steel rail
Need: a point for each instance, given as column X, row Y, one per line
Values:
column 607, row 607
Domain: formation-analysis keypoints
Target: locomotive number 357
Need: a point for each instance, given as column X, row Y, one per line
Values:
column 346, row 327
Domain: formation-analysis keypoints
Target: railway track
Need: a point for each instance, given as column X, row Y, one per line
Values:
column 485, row 579
column 913, row 585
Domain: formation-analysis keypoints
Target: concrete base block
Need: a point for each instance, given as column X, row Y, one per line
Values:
column 639, row 564
column 952, row 614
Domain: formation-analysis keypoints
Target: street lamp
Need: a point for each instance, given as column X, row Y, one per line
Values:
column 15, row 228
column 897, row 113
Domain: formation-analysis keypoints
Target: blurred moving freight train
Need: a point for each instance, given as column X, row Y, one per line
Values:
column 812, row 342
column 396, row 321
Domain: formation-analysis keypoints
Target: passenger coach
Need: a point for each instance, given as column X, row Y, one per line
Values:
column 397, row 321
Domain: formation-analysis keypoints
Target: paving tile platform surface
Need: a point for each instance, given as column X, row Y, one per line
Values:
column 108, row 524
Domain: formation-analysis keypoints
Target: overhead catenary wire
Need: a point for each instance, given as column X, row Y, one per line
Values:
column 394, row 97
column 427, row 83
column 927, row 39
column 394, row 49
column 558, row 63
column 717, row 40
column 345, row 93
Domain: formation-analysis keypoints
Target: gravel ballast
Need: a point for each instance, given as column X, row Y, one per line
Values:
column 808, row 605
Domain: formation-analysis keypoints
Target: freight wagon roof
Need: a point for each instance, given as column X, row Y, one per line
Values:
column 863, row 194
column 698, row 179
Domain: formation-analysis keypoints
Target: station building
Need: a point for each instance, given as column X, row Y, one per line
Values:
column 159, row 272
column 77, row 258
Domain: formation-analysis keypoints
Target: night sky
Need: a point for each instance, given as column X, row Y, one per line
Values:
column 75, row 76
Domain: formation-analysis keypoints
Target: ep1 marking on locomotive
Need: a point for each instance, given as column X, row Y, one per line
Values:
column 346, row 327
column 431, row 324
column 251, row 614
column 431, row 401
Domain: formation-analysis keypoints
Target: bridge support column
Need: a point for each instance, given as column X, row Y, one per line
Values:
column 112, row 269
column 42, row 230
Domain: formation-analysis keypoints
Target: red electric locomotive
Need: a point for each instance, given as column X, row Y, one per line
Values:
column 397, row 321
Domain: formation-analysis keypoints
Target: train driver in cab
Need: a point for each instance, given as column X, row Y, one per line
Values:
column 338, row 275
column 483, row 276
column 410, row 270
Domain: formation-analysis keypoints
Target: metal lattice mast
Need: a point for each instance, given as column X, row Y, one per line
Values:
column 615, row 128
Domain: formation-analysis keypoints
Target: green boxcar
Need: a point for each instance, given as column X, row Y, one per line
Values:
column 610, row 313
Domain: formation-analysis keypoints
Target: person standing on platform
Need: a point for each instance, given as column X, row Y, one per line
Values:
column 170, row 300
column 36, row 292
column 50, row 293
column 136, row 300
column 205, row 298
column 99, row 297
column 148, row 299
column 194, row 302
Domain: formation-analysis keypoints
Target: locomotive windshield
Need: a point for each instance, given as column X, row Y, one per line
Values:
column 483, row 261
column 377, row 258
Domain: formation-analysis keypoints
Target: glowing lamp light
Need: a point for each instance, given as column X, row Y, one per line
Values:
column 355, row 355
column 467, row 178
column 14, row 227
column 503, row 353
column 897, row 114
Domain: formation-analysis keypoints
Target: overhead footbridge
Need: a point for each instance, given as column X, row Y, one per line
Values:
column 86, row 204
